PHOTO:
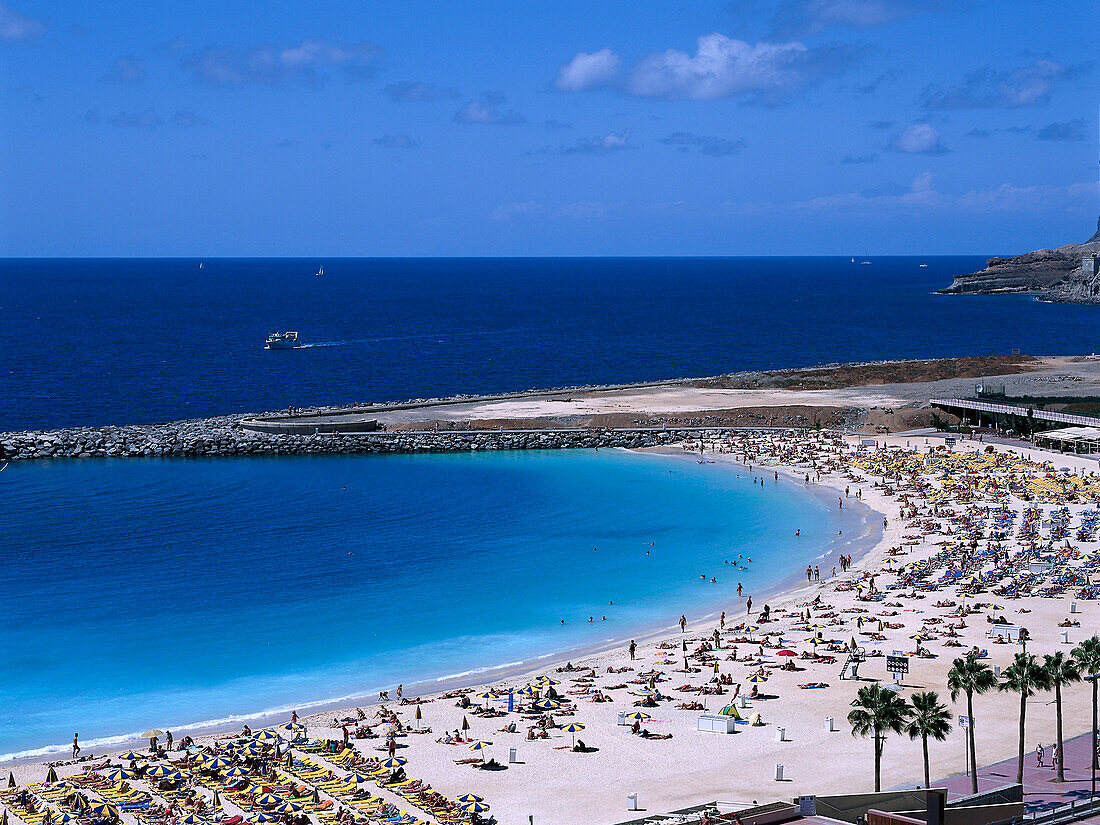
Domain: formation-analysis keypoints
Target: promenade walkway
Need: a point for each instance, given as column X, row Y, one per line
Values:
column 1041, row 792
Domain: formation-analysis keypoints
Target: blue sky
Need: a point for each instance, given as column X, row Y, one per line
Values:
column 756, row 127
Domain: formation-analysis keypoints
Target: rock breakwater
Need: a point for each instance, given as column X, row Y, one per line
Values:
column 225, row 437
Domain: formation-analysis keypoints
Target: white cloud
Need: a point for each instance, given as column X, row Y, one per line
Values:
column 599, row 146
column 507, row 211
column 584, row 210
column 126, row 70
column 589, row 71
column 723, row 67
column 988, row 88
column 220, row 66
column 806, row 17
column 397, row 141
column 919, row 138
column 488, row 111
column 923, row 196
column 18, row 28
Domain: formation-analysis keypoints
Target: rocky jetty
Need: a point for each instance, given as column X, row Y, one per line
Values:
column 1050, row 274
column 225, row 437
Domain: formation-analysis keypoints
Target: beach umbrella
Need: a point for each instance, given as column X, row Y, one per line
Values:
column 715, row 667
column 267, row 799
column 547, row 704
column 51, row 774
column 289, row 759
column 265, row 735
column 149, row 734
column 265, row 818
column 217, row 800
column 527, row 690
column 546, row 680
column 393, row 762
column 130, row 756
column 317, row 795
column 4, row 817
column 118, row 774
column 786, row 653
column 474, row 807
column 217, row 763
column 419, row 716
column 574, row 728
column 469, row 797
column 174, row 776
column 237, row 770
column 486, row 696
column 158, row 771
column 192, row 819
column 259, row 789
column 480, row 745
column 637, row 715
column 757, row 678
column 252, row 749
column 11, row 779
column 292, row 727
column 288, row 808
column 360, row 777
column 103, row 809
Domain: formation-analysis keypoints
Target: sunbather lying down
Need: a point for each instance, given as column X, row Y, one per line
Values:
column 645, row 734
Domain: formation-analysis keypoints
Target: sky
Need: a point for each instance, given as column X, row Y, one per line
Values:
column 578, row 127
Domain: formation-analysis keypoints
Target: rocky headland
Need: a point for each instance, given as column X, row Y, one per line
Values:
column 1049, row 274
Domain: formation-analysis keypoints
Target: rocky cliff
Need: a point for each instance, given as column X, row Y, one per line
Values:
column 1050, row 274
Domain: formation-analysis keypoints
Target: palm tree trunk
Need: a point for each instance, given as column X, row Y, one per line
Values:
column 1094, row 754
column 1058, row 715
column 878, row 763
column 1020, row 759
column 927, row 781
column 970, row 734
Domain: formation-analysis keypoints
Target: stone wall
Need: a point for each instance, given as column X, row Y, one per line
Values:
column 224, row 437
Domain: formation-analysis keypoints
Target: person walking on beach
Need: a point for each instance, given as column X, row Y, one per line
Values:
column 739, row 590
column 683, row 623
column 722, row 619
column 748, row 605
column 168, row 740
column 632, row 648
column 809, row 573
column 1055, row 755
column 817, row 574
column 76, row 744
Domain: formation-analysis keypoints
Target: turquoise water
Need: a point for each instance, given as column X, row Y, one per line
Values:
column 153, row 593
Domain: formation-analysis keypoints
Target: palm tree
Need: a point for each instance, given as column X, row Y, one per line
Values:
column 970, row 676
column 928, row 717
column 1026, row 677
column 1087, row 656
column 1060, row 670
column 876, row 713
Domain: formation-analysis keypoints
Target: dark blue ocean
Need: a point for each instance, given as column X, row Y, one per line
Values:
column 134, row 341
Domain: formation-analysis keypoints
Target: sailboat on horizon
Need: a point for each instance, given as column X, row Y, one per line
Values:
column 319, row 272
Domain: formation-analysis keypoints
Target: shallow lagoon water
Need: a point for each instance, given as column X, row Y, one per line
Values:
column 169, row 593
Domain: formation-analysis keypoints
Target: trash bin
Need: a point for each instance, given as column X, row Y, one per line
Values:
column 829, row 726
column 1073, row 607
column 622, row 717
column 1065, row 637
column 997, row 671
column 632, row 801
column 780, row 733
column 744, row 701
column 511, row 756
column 778, row 771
